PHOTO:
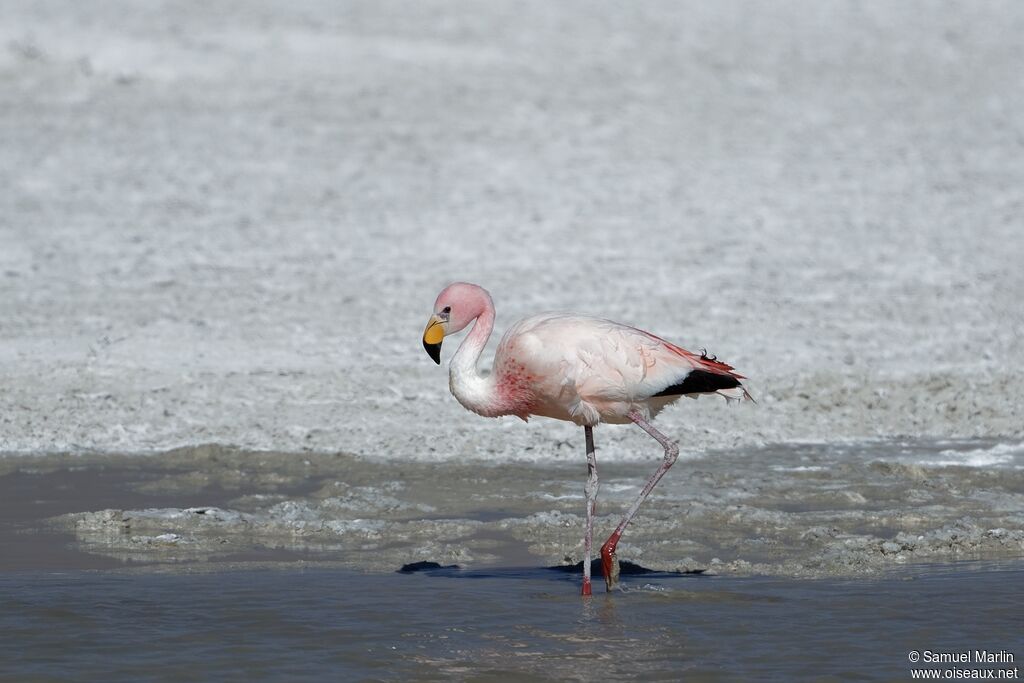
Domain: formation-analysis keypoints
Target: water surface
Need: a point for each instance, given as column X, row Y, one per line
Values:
column 500, row 624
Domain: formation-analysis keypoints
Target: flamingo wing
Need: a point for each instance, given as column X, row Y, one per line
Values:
column 590, row 369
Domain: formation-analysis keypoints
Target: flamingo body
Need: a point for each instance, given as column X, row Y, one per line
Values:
column 589, row 370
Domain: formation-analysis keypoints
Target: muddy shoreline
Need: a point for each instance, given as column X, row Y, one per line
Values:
column 798, row 510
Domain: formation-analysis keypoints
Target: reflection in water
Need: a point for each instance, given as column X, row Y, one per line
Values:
column 502, row 625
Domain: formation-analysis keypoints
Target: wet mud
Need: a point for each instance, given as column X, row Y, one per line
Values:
column 787, row 510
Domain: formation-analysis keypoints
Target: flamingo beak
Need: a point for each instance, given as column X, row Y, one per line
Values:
column 432, row 336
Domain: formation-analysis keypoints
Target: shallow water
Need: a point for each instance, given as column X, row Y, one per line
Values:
column 839, row 510
column 526, row 624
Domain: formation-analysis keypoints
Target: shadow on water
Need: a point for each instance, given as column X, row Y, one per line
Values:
column 557, row 572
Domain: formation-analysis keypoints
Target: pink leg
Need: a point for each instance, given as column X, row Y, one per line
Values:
column 609, row 562
column 590, row 489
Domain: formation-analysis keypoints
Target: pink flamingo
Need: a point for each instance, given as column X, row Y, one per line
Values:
column 576, row 368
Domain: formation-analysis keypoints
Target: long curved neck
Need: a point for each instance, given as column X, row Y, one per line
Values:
column 473, row 390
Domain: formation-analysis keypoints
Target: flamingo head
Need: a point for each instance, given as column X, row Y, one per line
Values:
column 458, row 305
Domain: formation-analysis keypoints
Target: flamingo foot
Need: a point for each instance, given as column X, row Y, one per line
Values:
column 610, row 563
column 586, row 587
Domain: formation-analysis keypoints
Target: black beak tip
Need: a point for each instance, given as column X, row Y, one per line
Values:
column 434, row 351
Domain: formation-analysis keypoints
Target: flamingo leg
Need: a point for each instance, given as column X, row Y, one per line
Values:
column 590, row 489
column 610, row 563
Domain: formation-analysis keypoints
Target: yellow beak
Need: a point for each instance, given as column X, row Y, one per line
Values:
column 432, row 336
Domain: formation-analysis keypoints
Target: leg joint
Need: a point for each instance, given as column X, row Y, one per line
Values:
column 671, row 452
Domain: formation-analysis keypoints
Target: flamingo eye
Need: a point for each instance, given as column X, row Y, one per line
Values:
column 446, row 309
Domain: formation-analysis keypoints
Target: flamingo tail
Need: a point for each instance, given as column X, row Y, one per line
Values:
column 709, row 376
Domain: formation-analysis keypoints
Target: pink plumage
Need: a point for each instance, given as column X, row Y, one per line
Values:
column 577, row 368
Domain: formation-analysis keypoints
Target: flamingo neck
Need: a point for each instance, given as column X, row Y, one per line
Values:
column 475, row 391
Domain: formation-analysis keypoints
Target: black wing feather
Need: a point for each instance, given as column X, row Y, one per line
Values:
column 700, row 382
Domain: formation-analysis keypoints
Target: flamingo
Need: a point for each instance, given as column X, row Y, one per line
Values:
column 576, row 368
